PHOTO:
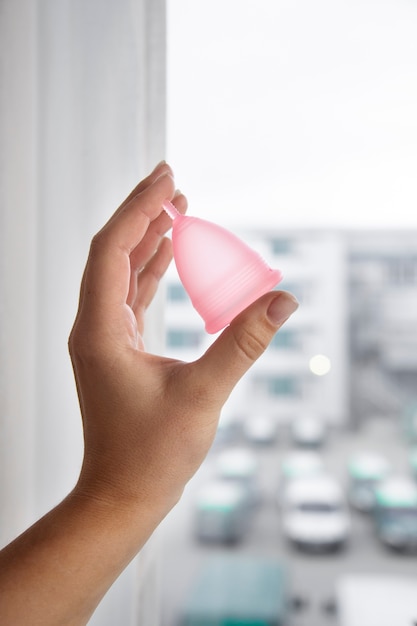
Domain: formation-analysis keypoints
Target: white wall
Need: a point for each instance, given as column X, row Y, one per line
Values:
column 82, row 118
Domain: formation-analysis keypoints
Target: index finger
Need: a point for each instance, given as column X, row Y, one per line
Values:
column 160, row 169
column 107, row 273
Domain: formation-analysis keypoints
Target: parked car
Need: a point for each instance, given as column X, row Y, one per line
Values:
column 308, row 431
column 298, row 464
column 365, row 471
column 315, row 514
column 395, row 512
column 228, row 430
column 240, row 465
column 413, row 463
column 260, row 429
column 375, row 599
column 409, row 422
column 238, row 590
column 221, row 512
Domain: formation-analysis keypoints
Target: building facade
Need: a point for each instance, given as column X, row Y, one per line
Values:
column 349, row 352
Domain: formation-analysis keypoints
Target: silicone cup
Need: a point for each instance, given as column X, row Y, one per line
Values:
column 221, row 274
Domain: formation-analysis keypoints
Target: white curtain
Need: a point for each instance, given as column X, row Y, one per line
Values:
column 82, row 118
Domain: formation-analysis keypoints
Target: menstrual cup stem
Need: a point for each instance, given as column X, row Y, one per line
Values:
column 170, row 209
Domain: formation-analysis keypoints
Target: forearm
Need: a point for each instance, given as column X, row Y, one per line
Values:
column 56, row 573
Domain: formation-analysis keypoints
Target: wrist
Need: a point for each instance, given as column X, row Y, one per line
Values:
column 110, row 499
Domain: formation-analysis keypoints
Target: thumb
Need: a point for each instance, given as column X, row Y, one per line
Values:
column 243, row 342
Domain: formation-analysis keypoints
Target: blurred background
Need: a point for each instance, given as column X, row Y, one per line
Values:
column 292, row 124
column 310, row 104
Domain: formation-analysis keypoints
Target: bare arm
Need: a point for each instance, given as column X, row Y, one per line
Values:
column 148, row 421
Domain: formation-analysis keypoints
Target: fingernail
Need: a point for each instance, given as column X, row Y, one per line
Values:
column 161, row 169
column 167, row 172
column 281, row 308
column 160, row 164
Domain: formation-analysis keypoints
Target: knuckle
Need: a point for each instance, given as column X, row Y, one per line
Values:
column 249, row 344
column 82, row 347
column 73, row 342
column 98, row 241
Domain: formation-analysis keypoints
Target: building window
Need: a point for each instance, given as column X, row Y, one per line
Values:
column 402, row 271
column 286, row 339
column 287, row 386
column 183, row 338
column 176, row 293
column 281, row 245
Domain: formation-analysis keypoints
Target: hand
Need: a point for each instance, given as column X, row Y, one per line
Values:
column 149, row 421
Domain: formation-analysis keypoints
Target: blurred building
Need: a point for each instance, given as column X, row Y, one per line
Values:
column 383, row 322
column 350, row 351
column 305, row 367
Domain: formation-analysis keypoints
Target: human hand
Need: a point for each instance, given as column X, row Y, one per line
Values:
column 149, row 421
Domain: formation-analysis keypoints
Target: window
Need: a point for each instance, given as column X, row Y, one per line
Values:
column 281, row 246
column 288, row 386
column 287, row 338
column 176, row 293
column 402, row 271
column 183, row 338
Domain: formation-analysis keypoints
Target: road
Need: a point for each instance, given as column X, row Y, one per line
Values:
column 312, row 575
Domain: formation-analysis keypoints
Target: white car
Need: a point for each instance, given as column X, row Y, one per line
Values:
column 300, row 463
column 261, row 429
column 315, row 513
column 308, row 431
column 376, row 599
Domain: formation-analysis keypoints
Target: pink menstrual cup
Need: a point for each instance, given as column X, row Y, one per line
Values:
column 221, row 274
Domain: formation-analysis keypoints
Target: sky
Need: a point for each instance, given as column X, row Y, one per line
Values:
column 295, row 113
